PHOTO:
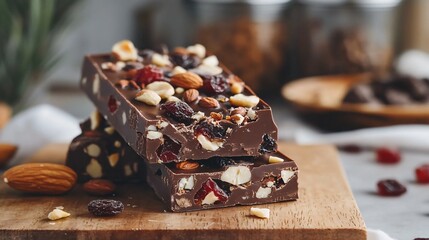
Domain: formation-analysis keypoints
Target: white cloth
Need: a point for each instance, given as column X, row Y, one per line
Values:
column 37, row 127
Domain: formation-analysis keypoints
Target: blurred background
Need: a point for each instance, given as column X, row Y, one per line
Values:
column 267, row 43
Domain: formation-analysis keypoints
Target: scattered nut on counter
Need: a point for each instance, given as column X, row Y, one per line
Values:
column 58, row 213
column 260, row 212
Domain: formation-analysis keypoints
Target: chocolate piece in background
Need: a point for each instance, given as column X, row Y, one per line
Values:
column 147, row 128
column 100, row 152
column 224, row 182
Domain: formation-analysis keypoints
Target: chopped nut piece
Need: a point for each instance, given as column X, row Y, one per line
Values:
column 57, row 214
column 211, row 61
column 207, row 144
column 197, row 49
column 94, row 169
column 179, row 90
column 208, row 102
column 93, row 150
column 149, row 97
column 125, row 51
column 236, row 88
column 177, row 70
column 198, row 116
column 109, row 130
column 236, row 175
column 237, row 118
column 287, row 175
column 190, row 95
column 113, row 159
column 263, row 192
column 273, row 159
column 95, row 119
column 174, row 99
column 154, row 135
column 123, row 84
column 216, row 116
column 96, row 85
column 163, row 89
column 210, row 70
column 260, row 212
column 186, row 165
column 210, row 199
column 160, row 60
column 251, row 114
column 186, row 183
column 241, row 100
column 239, row 110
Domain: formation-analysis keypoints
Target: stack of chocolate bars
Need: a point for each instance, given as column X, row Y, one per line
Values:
column 179, row 119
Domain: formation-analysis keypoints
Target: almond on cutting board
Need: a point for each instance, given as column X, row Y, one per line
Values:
column 7, row 151
column 41, row 178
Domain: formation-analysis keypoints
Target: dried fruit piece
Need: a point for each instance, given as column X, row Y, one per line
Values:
column 186, row 61
column 260, row 212
column 179, row 111
column 422, row 173
column 210, row 193
column 105, row 207
column 390, row 187
column 388, row 155
column 44, row 178
column 214, row 84
column 148, row 74
column 168, row 151
column 99, row 187
column 112, row 104
column 187, row 165
column 219, row 162
column 268, row 144
column 210, row 130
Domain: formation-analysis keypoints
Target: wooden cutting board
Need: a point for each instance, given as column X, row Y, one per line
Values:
column 326, row 210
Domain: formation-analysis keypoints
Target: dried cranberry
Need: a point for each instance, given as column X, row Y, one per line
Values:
column 268, row 144
column 169, row 150
column 185, row 60
column 113, row 104
column 179, row 111
column 351, row 148
column 210, row 130
column 422, row 173
column 148, row 74
column 388, row 155
column 208, row 187
column 219, row 162
column 105, row 207
column 390, row 187
column 214, row 84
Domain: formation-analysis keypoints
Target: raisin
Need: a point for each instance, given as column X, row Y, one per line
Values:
column 268, row 144
column 113, row 104
column 208, row 187
column 214, row 84
column 210, row 130
column 422, row 174
column 388, row 155
column 179, row 111
column 148, row 74
column 105, row 207
column 351, row 148
column 185, row 60
column 390, row 187
column 169, row 150
column 219, row 162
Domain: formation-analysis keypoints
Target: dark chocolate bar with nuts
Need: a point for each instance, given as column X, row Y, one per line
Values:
column 100, row 152
column 224, row 182
column 178, row 105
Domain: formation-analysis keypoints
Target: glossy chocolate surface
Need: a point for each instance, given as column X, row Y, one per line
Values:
column 134, row 120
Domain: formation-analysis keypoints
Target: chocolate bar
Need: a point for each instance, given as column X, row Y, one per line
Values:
column 179, row 105
column 223, row 182
column 100, row 152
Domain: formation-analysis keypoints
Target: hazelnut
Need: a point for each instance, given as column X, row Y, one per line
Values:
column 125, row 51
column 208, row 102
column 190, row 95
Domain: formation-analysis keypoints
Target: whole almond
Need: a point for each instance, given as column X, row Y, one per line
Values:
column 208, row 102
column 99, row 187
column 186, row 165
column 7, row 151
column 42, row 178
column 187, row 80
column 190, row 95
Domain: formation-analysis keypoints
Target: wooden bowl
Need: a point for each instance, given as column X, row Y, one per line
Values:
column 5, row 114
column 321, row 97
